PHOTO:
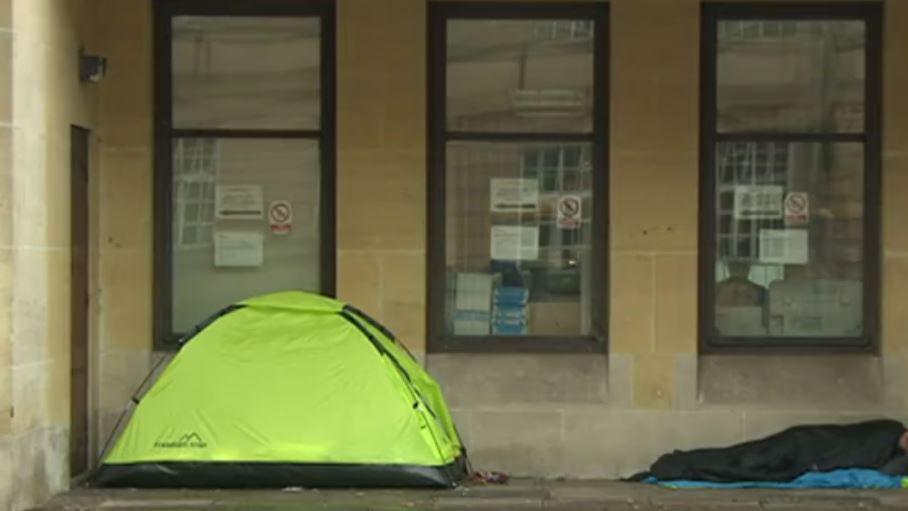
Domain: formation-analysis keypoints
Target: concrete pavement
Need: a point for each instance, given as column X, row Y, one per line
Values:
column 518, row 495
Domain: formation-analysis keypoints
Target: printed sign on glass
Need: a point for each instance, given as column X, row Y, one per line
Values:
column 238, row 249
column 280, row 217
column 797, row 208
column 239, row 202
column 784, row 246
column 569, row 212
column 513, row 194
column 515, row 243
column 758, row 202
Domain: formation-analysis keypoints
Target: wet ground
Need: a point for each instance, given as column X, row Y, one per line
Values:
column 518, row 495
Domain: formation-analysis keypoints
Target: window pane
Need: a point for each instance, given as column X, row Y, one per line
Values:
column 245, row 72
column 789, row 239
column 791, row 76
column 512, row 75
column 515, row 265
column 215, row 258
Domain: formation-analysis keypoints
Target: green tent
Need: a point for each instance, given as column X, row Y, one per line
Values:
column 288, row 389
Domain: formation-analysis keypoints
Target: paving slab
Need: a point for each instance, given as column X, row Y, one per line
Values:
column 517, row 495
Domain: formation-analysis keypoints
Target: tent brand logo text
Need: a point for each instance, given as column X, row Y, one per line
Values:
column 187, row 440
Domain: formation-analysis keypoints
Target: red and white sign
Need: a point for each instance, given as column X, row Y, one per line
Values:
column 569, row 212
column 797, row 208
column 280, row 217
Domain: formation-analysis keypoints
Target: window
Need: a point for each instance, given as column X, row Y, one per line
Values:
column 244, row 124
column 791, row 176
column 518, row 177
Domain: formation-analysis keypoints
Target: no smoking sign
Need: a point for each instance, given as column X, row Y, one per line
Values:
column 569, row 212
column 797, row 208
column 280, row 217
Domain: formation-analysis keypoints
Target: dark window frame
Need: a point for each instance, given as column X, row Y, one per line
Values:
column 438, row 14
column 870, row 137
column 164, row 133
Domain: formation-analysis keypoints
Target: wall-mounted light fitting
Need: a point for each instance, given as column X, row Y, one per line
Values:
column 91, row 67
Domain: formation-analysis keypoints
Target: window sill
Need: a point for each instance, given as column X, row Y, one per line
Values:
column 787, row 346
column 534, row 344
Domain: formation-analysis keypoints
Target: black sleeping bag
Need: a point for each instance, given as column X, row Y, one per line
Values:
column 788, row 454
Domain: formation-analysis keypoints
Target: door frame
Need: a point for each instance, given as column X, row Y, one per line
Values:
column 90, row 269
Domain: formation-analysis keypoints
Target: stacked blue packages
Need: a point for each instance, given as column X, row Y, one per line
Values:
column 509, row 310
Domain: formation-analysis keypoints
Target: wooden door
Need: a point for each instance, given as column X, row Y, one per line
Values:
column 79, row 303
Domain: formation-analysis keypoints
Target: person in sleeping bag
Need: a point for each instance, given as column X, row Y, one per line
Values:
column 878, row 444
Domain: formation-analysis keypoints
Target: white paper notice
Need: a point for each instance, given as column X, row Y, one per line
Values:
column 515, row 243
column 474, row 292
column 784, row 246
column 755, row 202
column 238, row 249
column 514, row 194
column 239, row 202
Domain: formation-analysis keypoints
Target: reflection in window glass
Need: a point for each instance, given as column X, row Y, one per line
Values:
column 536, row 75
column 516, row 265
column 789, row 239
column 245, row 72
column 791, row 76
column 195, row 167
column 278, row 169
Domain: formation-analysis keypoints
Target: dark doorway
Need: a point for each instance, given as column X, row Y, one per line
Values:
column 78, row 437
